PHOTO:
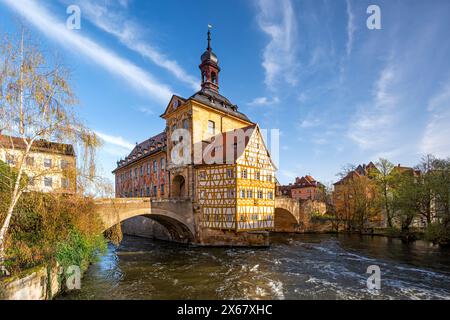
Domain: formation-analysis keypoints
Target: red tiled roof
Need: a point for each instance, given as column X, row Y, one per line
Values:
column 144, row 149
column 45, row 146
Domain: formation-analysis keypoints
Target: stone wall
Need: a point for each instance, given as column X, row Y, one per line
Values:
column 145, row 228
column 31, row 285
column 212, row 237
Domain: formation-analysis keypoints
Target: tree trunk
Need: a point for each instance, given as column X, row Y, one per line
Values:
column 3, row 232
column 14, row 198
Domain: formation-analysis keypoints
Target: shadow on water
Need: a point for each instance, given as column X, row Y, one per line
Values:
column 293, row 267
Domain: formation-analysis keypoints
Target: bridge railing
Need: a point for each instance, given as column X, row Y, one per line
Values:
column 141, row 200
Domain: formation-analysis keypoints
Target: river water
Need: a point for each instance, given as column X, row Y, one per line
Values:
column 293, row 267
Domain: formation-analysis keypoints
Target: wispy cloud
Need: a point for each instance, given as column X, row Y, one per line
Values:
column 310, row 122
column 115, row 145
column 277, row 20
column 37, row 15
column 351, row 28
column 124, row 3
column 264, row 101
column 372, row 124
column 436, row 139
column 288, row 174
column 127, row 32
column 147, row 111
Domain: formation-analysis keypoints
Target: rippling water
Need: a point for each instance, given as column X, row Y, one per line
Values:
column 294, row 267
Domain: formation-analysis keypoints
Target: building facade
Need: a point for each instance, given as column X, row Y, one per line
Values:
column 143, row 172
column 49, row 166
column 304, row 188
column 213, row 154
column 307, row 188
column 356, row 195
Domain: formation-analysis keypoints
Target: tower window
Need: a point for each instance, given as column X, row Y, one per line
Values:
column 213, row 78
column 211, row 127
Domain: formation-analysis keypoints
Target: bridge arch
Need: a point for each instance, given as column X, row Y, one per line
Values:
column 287, row 215
column 177, row 217
column 284, row 220
column 178, row 231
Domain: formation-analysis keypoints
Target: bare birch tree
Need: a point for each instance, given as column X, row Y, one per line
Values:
column 36, row 103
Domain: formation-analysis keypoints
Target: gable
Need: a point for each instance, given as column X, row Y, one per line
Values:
column 174, row 103
column 256, row 152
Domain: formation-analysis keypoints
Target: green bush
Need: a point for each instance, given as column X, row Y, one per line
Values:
column 438, row 234
column 47, row 227
column 79, row 249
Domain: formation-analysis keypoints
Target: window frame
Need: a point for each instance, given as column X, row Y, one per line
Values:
column 46, row 180
column 48, row 162
column 211, row 127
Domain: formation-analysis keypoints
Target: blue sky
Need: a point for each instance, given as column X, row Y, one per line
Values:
column 339, row 92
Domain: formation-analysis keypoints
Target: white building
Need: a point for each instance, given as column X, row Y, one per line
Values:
column 50, row 166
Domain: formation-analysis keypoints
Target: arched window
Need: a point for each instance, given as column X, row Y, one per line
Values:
column 203, row 76
column 213, row 77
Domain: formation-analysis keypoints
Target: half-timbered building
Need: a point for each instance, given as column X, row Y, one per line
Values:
column 214, row 155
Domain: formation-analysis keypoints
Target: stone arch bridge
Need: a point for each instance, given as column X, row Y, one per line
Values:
column 178, row 217
column 290, row 216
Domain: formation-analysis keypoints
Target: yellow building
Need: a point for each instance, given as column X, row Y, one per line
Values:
column 216, row 157
column 238, row 193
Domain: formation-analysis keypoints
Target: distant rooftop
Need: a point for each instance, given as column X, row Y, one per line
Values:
column 10, row 142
